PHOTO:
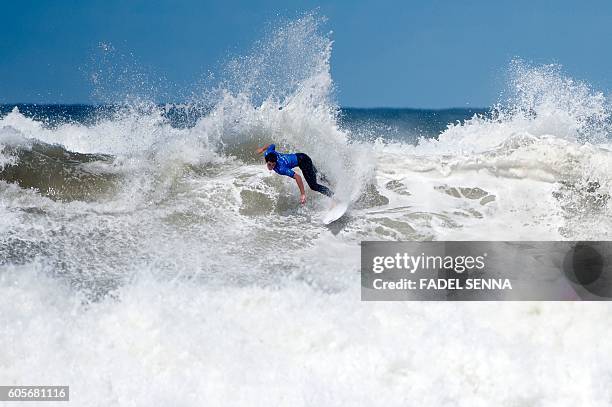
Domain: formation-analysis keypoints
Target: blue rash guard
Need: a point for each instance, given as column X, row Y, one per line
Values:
column 284, row 162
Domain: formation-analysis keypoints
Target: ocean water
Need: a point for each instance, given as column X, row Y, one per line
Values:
column 147, row 257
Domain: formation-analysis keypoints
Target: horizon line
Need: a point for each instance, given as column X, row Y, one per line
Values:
column 16, row 104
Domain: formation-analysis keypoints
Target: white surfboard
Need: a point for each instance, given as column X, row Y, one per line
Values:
column 335, row 213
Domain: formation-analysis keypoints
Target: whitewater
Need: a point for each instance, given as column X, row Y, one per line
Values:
column 145, row 261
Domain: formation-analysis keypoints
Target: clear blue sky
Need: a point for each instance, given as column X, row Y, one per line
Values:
column 386, row 53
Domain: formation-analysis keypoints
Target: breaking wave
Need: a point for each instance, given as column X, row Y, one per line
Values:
column 160, row 260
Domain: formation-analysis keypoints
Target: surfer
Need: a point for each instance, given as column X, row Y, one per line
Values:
column 283, row 163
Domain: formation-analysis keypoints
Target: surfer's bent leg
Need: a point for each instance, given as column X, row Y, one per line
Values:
column 310, row 174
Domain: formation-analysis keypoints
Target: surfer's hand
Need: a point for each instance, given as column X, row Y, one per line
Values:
column 303, row 199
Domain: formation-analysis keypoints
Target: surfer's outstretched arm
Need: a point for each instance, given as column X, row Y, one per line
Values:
column 300, row 183
column 262, row 149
